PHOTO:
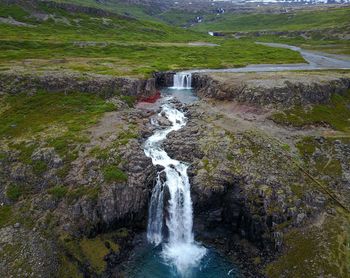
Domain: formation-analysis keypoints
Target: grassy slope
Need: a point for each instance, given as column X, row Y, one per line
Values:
column 127, row 46
column 335, row 115
column 57, row 119
column 303, row 20
column 137, row 11
column 323, row 24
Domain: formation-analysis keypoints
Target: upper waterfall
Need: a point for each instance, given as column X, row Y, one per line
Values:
column 182, row 80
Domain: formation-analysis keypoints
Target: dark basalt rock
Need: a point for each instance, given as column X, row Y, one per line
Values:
column 241, row 189
column 290, row 93
column 106, row 86
column 118, row 204
column 164, row 79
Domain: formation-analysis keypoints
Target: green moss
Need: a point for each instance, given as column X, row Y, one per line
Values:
column 326, row 162
column 6, row 215
column 306, row 146
column 99, row 153
column 315, row 251
column 230, row 157
column 14, row 192
column 58, row 192
column 64, row 170
column 297, row 189
column 14, row 11
column 95, row 250
column 13, row 254
column 130, row 100
column 39, row 167
column 286, row 147
column 122, row 233
column 336, row 114
column 112, row 173
column 25, row 151
column 328, row 166
column 91, row 251
column 68, row 269
column 125, row 136
column 80, row 191
column 3, row 155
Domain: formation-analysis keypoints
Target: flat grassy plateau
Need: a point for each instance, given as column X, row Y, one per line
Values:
column 41, row 37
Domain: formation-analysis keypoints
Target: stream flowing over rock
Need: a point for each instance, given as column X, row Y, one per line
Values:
column 170, row 213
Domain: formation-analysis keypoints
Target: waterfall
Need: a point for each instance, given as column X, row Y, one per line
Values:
column 179, row 248
column 182, row 80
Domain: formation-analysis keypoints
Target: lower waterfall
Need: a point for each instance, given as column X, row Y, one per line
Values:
column 179, row 247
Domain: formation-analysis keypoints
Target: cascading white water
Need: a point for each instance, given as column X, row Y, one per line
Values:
column 179, row 248
column 182, row 80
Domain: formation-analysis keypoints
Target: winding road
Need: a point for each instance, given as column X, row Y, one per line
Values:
column 315, row 61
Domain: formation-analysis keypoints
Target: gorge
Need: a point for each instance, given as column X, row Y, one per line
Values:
column 170, row 216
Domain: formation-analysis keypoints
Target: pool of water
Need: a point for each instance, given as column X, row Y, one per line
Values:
column 186, row 96
column 149, row 263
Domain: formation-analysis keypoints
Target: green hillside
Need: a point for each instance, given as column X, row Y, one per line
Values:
column 323, row 30
column 302, row 20
column 48, row 36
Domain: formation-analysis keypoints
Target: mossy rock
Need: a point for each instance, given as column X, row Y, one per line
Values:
column 319, row 250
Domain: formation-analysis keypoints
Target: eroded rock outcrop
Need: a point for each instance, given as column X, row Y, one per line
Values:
column 247, row 185
column 118, row 203
column 106, row 86
column 272, row 89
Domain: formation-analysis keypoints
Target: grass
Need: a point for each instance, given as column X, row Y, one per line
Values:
column 5, row 215
column 78, row 192
column 315, row 251
column 112, row 173
column 325, row 162
column 14, row 192
column 95, row 250
column 292, row 21
column 49, row 119
column 33, row 114
column 323, row 44
column 58, row 192
column 119, row 46
column 130, row 100
column 91, row 251
column 336, row 114
column 321, row 27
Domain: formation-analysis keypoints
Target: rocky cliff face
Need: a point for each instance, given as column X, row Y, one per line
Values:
column 100, row 195
column 247, row 185
column 271, row 89
column 106, row 86
column 164, row 79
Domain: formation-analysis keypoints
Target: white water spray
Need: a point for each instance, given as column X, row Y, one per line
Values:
column 182, row 80
column 180, row 249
